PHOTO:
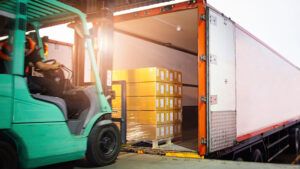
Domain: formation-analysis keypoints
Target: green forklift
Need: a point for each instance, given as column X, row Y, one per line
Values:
column 35, row 129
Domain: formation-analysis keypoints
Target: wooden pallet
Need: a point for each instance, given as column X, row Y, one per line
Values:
column 155, row 144
column 163, row 142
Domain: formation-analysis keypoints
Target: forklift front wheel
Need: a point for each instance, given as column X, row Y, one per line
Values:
column 104, row 145
column 8, row 156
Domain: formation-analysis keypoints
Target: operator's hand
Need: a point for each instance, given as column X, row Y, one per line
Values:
column 56, row 66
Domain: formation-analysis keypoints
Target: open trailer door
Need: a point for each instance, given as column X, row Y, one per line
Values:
column 222, row 82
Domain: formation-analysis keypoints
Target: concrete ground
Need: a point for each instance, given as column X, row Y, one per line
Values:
column 143, row 161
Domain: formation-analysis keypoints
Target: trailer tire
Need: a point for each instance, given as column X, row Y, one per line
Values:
column 239, row 159
column 8, row 156
column 104, row 145
column 296, row 141
column 257, row 156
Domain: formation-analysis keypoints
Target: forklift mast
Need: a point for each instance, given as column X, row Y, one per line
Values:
column 101, row 16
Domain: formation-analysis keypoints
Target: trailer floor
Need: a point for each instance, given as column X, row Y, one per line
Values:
column 143, row 161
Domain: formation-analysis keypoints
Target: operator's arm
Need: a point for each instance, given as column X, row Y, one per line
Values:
column 44, row 67
column 4, row 50
column 4, row 56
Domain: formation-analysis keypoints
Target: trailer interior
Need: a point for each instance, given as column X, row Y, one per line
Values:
column 169, row 41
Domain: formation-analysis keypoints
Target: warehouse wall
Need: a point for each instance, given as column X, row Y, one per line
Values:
column 60, row 51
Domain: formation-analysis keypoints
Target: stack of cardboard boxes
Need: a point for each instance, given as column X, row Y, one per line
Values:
column 154, row 103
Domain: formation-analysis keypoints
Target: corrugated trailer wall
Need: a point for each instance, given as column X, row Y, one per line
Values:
column 268, row 91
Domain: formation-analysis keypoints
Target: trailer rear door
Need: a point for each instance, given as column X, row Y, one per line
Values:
column 222, row 85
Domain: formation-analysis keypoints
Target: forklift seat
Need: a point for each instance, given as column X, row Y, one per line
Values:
column 60, row 103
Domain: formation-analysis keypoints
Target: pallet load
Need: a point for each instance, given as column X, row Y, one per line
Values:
column 154, row 104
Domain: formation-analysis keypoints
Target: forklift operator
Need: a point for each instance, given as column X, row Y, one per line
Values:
column 33, row 59
column 36, row 84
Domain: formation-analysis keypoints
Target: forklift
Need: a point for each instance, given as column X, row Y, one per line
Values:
column 35, row 129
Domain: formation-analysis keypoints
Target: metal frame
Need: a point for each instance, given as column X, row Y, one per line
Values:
column 159, row 11
column 123, row 119
column 202, row 63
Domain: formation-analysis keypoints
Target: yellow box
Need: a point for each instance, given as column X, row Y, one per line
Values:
column 146, row 117
column 178, row 90
column 169, row 131
column 177, row 77
column 169, row 103
column 119, row 75
column 146, row 132
column 116, row 114
column 169, row 89
column 177, row 130
column 141, row 103
column 151, row 74
column 177, row 116
column 142, row 89
column 167, row 75
column 171, row 126
column 171, row 116
column 177, row 103
column 171, row 76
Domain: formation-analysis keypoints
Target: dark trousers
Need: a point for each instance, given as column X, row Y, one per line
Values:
column 44, row 86
column 2, row 67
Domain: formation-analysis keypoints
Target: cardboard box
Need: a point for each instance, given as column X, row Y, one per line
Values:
column 169, row 103
column 177, row 130
column 136, row 132
column 169, row 89
column 151, row 74
column 142, row 89
column 171, row 76
column 177, row 103
column 146, row 117
column 177, row 77
column 167, row 75
column 177, row 116
column 141, row 103
column 177, row 90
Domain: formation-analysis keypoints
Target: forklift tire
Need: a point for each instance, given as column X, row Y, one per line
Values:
column 8, row 156
column 104, row 144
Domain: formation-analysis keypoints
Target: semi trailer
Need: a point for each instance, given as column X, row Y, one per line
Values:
column 240, row 96
column 37, row 128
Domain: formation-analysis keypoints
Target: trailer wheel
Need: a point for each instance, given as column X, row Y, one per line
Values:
column 8, row 156
column 239, row 159
column 257, row 156
column 104, row 145
column 296, row 141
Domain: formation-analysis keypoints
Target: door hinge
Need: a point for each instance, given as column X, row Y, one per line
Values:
column 202, row 58
column 203, row 141
column 202, row 17
column 203, row 99
column 167, row 8
column 192, row 2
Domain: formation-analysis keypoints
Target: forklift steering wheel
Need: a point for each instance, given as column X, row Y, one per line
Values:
column 52, row 61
